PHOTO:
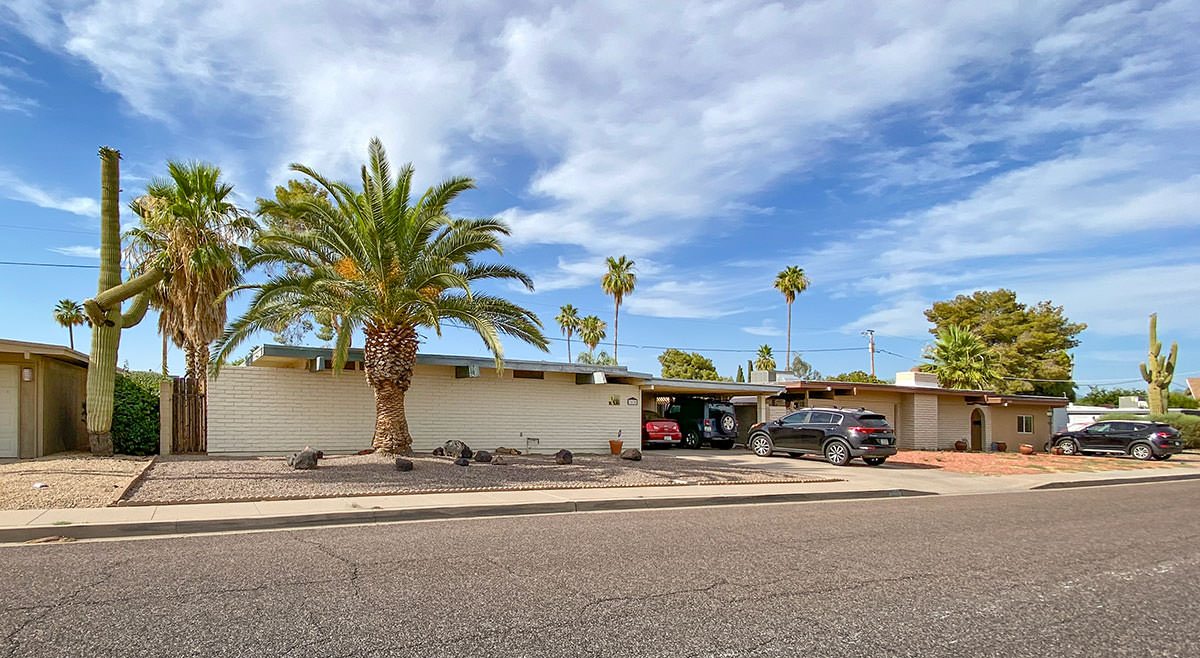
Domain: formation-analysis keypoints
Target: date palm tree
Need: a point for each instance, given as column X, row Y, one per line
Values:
column 765, row 360
column 619, row 281
column 961, row 360
column 791, row 281
column 568, row 321
column 69, row 314
column 592, row 330
column 190, row 229
column 390, row 265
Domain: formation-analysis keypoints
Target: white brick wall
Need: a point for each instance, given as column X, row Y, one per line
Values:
column 954, row 422
column 265, row 411
column 918, row 422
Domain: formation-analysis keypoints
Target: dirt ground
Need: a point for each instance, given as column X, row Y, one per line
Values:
column 1009, row 463
column 194, row 479
column 72, row 479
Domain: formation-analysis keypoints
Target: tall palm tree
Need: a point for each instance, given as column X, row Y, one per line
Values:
column 190, row 228
column 592, row 330
column 619, row 281
column 765, row 360
column 69, row 314
column 961, row 360
column 568, row 321
column 380, row 261
column 791, row 281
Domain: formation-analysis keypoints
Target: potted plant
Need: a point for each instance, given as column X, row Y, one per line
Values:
column 615, row 446
column 960, row 446
column 1026, row 449
column 1001, row 446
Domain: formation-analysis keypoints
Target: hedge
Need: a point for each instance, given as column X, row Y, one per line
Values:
column 135, row 413
column 1188, row 425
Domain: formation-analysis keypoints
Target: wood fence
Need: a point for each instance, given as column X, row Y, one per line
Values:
column 189, row 417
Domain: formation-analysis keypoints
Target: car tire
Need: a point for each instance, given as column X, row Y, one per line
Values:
column 837, row 453
column 723, row 445
column 1141, row 451
column 727, row 423
column 1069, row 447
column 874, row 461
column 691, row 439
column 761, row 445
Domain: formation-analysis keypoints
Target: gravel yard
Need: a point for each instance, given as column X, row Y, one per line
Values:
column 182, row 479
column 74, row 479
column 1008, row 463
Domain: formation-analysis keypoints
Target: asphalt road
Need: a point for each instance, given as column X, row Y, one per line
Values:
column 1088, row 572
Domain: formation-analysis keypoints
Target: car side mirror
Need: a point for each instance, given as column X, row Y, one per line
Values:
column 778, row 421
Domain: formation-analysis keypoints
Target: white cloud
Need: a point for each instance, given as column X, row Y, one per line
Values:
column 14, row 188
column 78, row 251
column 904, row 316
column 766, row 328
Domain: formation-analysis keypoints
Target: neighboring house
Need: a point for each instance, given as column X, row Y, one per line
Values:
column 42, row 393
column 1193, row 384
column 928, row 417
column 286, row 398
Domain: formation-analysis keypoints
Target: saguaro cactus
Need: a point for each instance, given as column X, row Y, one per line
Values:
column 104, row 309
column 1161, row 370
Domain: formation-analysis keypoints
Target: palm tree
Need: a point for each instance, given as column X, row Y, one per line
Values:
column 791, row 281
column 190, row 229
column 380, row 261
column 568, row 321
column 69, row 314
column 619, row 281
column 592, row 330
column 961, row 360
column 765, row 360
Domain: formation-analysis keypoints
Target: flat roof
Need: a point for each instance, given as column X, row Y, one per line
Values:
column 700, row 387
column 61, row 352
column 989, row 397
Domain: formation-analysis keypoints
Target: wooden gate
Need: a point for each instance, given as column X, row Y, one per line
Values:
column 189, row 417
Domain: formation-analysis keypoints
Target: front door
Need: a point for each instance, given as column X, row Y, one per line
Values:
column 977, row 430
column 10, row 404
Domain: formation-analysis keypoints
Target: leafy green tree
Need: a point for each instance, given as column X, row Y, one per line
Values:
column 677, row 364
column 765, row 360
column 601, row 359
column 791, row 281
column 804, row 369
column 741, row 375
column 69, row 314
column 857, row 376
column 1029, row 343
column 619, row 281
column 387, row 263
column 961, row 360
column 592, row 330
column 1103, row 397
column 568, row 320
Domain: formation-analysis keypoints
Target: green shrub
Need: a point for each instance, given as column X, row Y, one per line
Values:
column 135, row 413
column 1188, row 426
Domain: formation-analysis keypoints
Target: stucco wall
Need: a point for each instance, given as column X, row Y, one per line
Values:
column 1004, row 426
column 954, row 422
column 254, row 410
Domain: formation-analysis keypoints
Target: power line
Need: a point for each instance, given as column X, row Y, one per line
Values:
column 712, row 349
column 47, row 228
column 10, row 262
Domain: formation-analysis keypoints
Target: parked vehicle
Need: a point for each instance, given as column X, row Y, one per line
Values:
column 838, row 434
column 1141, row 439
column 704, row 421
column 659, row 431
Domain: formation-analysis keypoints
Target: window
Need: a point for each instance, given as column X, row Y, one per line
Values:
column 798, row 418
column 528, row 374
column 1024, row 424
column 873, row 421
column 821, row 417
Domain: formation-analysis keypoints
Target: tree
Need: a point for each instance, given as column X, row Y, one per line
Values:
column 765, row 360
column 69, row 314
column 190, row 228
column 592, row 330
column 791, row 281
column 601, row 359
column 1108, row 397
column 379, row 261
column 961, row 360
column 568, row 321
column 619, row 281
column 741, row 375
column 677, row 364
column 1184, row 400
column 1029, row 343
column 804, row 369
column 1160, row 371
column 857, row 376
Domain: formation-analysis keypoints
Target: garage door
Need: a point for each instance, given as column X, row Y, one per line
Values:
column 9, row 400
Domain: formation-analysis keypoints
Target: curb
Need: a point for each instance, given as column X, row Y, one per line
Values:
column 132, row 483
column 20, row 534
column 1111, row 481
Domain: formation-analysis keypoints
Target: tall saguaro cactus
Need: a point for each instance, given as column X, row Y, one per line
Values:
column 1160, row 371
column 104, row 309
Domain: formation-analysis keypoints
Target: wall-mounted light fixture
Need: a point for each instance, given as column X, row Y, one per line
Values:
column 26, row 374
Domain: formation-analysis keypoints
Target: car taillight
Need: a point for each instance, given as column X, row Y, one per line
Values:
column 1162, row 435
column 866, row 430
column 707, row 423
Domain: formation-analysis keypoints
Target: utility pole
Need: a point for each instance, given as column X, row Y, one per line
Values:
column 870, row 334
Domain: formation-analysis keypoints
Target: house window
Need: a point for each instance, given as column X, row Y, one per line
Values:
column 528, row 374
column 1024, row 424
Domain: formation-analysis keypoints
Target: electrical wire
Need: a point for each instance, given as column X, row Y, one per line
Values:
column 68, row 265
column 47, row 228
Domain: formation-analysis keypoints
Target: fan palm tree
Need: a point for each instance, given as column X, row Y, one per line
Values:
column 380, row 261
column 568, row 321
column 190, row 229
column 69, row 314
column 791, row 281
column 619, row 281
column 962, row 360
column 765, row 360
column 592, row 330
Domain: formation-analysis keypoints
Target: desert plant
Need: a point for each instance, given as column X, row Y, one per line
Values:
column 592, row 330
column 960, row 359
column 618, row 281
column 69, row 314
column 568, row 321
column 791, row 281
column 765, row 359
column 1160, row 371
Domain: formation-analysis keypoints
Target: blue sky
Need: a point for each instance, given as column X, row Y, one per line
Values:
column 900, row 154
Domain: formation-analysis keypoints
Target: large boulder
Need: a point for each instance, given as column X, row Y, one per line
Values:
column 499, row 460
column 506, row 451
column 562, row 457
column 439, row 451
column 455, row 448
column 462, row 461
column 632, row 454
column 403, row 464
column 483, row 457
column 304, row 460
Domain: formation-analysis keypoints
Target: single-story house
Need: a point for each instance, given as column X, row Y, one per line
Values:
column 42, row 393
column 287, row 397
column 927, row 416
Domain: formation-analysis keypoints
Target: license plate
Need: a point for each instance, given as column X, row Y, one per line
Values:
column 885, row 442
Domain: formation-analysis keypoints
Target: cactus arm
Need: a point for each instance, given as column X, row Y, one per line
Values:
column 137, row 310
column 1145, row 374
column 121, row 292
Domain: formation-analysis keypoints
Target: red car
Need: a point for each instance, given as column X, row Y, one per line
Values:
column 659, row 431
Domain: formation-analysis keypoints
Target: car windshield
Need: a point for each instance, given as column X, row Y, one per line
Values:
column 873, row 421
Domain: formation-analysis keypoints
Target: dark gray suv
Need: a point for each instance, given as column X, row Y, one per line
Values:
column 704, row 421
column 838, row 434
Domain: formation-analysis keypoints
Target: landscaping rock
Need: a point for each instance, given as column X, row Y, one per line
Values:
column 499, row 460
column 483, row 457
column 562, row 457
column 403, row 464
column 455, row 448
column 439, row 451
column 303, row 460
column 632, row 454
column 368, row 451
column 462, row 461
column 506, row 451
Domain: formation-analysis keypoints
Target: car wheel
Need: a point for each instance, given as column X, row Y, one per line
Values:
column 1069, row 447
column 722, row 445
column 874, row 461
column 727, row 423
column 761, row 445
column 691, row 439
column 1141, row 451
column 837, row 453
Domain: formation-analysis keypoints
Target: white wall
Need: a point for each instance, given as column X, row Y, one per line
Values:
column 271, row 411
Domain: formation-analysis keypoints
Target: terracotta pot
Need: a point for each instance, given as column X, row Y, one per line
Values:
column 615, row 446
column 960, row 446
column 1001, row 446
column 1056, row 450
column 1026, row 449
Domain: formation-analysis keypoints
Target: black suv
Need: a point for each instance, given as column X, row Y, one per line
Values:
column 1142, row 439
column 704, row 421
column 839, row 434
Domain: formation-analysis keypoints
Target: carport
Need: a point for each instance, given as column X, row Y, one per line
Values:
column 752, row 397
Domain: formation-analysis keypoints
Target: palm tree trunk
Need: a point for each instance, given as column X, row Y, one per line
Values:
column 788, row 363
column 71, row 333
column 201, row 370
column 616, row 321
column 568, row 347
column 389, row 356
column 164, row 355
